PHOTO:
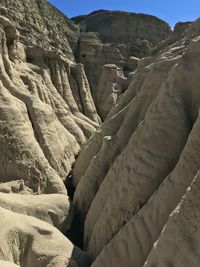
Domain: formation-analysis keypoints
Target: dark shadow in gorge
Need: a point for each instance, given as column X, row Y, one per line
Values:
column 74, row 233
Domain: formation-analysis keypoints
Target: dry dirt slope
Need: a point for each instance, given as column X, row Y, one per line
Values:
column 136, row 178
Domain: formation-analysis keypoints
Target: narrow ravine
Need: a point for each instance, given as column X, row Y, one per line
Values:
column 99, row 139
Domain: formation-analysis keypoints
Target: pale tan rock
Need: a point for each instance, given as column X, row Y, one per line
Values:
column 181, row 234
column 111, row 84
column 94, row 55
column 43, row 124
column 131, row 177
column 17, row 186
column 144, row 228
column 31, row 242
column 135, row 102
column 123, row 217
column 46, row 117
column 153, row 159
column 104, row 41
column 51, row 208
column 7, row 264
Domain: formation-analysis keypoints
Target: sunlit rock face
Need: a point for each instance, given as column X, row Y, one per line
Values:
column 47, row 114
column 137, row 179
column 135, row 175
column 123, row 27
column 113, row 37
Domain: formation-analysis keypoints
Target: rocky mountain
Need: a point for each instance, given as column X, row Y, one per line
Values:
column 99, row 139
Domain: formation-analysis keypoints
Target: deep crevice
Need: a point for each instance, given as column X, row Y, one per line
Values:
column 74, row 233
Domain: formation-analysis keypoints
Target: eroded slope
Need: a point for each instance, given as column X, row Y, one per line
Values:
column 46, row 115
column 136, row 169
column 131, row 177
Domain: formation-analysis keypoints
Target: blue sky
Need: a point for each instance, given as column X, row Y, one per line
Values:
column 171, row 11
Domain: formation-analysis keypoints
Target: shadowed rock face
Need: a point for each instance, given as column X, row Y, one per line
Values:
column 114, row 37
column 124, row 27
column 136, row 178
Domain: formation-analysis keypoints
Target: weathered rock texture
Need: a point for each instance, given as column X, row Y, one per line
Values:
column 132, row 177
column 46, row 115
column 31, row 242
column 113, row 37
column 123, row 27
column 42, row 25
column 7, row 264
column 136, row 179
column 51, row 208
column 43, row 121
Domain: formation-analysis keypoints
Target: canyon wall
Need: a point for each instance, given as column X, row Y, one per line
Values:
column 137, row 178
column 119, row 38
column 128, row 186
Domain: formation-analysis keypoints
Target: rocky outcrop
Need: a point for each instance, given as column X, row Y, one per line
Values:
column 31, row 242
column 183, row 225
column 42, row 25
column 7, row 264
column 114, row 37
column 47, row 114
column 135, row 171
column 96, row 57
column 124, row 27
column 112, row 83
column 42, row 107
column 51, row 208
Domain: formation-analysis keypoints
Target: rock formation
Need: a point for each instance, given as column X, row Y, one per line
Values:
column 114, row 37
column 132, row 177
column 135, row 177
column 7, row 264
column 31, row 242
column 46, row 115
